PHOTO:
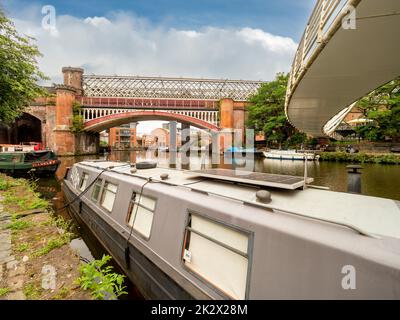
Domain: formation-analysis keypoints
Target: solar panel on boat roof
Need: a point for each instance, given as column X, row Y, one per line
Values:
column 254, row 178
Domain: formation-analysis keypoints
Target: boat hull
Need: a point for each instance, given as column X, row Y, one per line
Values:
column 150, row 280
column 23, row 170
column 36, row 162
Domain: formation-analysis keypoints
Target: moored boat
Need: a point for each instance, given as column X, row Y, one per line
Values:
column 38, row 162
column 290, row 155
column 22, row 147
column 222, row 234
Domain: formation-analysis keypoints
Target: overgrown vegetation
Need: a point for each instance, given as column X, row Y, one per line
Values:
column 77, row 118
column 4, row 291
column 43, row 238
column 62, row 294
column 22, row 247
column 21, row 195
column 267, row 114
column 32, row 291
column 19, row 74
column 97, row 277
column 53, row 243
column 57, row 242
column 19, row 225
column 360, row 157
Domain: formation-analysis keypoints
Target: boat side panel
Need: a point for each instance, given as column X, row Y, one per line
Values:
column 151, row 281
column 293, row 257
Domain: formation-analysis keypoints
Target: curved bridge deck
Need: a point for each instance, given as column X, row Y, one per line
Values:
column 336, row 65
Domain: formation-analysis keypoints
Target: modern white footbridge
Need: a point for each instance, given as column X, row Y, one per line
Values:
column 349, row 48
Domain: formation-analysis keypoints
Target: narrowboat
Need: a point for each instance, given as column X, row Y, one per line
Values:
column 223, row 234
column 23, row 146
column 38, row 162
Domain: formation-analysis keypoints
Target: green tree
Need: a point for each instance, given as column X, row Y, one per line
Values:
column 267, row 113
column 19, row 74
column 382, row 106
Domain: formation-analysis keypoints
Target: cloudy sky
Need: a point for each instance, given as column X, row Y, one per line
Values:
column 236, row 39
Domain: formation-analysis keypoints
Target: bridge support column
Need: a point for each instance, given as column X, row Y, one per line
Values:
column 133, row 139
column 239, row 120
column 226, row 124
column 185, row 135
column 185, row 147
column 63, row 139
column 172, row 144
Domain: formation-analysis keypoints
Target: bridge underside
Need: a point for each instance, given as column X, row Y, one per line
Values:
column 352, row 64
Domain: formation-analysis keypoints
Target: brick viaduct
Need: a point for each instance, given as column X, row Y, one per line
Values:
column 218, row 105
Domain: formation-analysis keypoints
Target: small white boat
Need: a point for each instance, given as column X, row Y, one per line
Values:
column 163, row 149
column 290, row 155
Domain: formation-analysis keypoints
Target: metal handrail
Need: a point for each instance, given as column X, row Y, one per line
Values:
column 324, row 21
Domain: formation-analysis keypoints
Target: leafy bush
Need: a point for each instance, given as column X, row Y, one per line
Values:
column 359, row 157
column 100, row 280
column 77, row 118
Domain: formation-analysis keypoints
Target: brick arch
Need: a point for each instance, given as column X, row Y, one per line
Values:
column 103, row 123
column 37, row 112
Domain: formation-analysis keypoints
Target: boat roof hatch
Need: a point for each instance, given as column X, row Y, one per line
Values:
column 253, row 178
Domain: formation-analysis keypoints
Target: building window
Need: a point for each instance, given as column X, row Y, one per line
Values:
column 108, row 196
column 96, row 190
column 208, row 243
column 141, row 212
column 83, row 183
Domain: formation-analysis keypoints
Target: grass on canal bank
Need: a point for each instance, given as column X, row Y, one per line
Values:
column 40, row 244
column 360, row 157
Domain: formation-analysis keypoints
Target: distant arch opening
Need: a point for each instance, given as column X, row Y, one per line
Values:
column 27, row 128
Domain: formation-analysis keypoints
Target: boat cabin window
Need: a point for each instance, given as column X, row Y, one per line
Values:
column 218, row 254
column 83, row 182
column 141, row 212
column 97, row 189
column 108, row 196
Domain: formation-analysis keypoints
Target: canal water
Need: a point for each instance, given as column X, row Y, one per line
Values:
column 377, row 180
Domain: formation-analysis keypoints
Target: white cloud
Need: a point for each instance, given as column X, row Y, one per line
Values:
column 124, row 44
column 128, row 45
column 97, row 21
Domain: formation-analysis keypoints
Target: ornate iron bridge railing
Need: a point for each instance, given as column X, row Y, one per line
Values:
column 148, row 103
column 167, row 88
column 89, row 113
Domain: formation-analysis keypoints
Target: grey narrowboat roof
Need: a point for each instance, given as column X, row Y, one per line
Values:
column 365, row 214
